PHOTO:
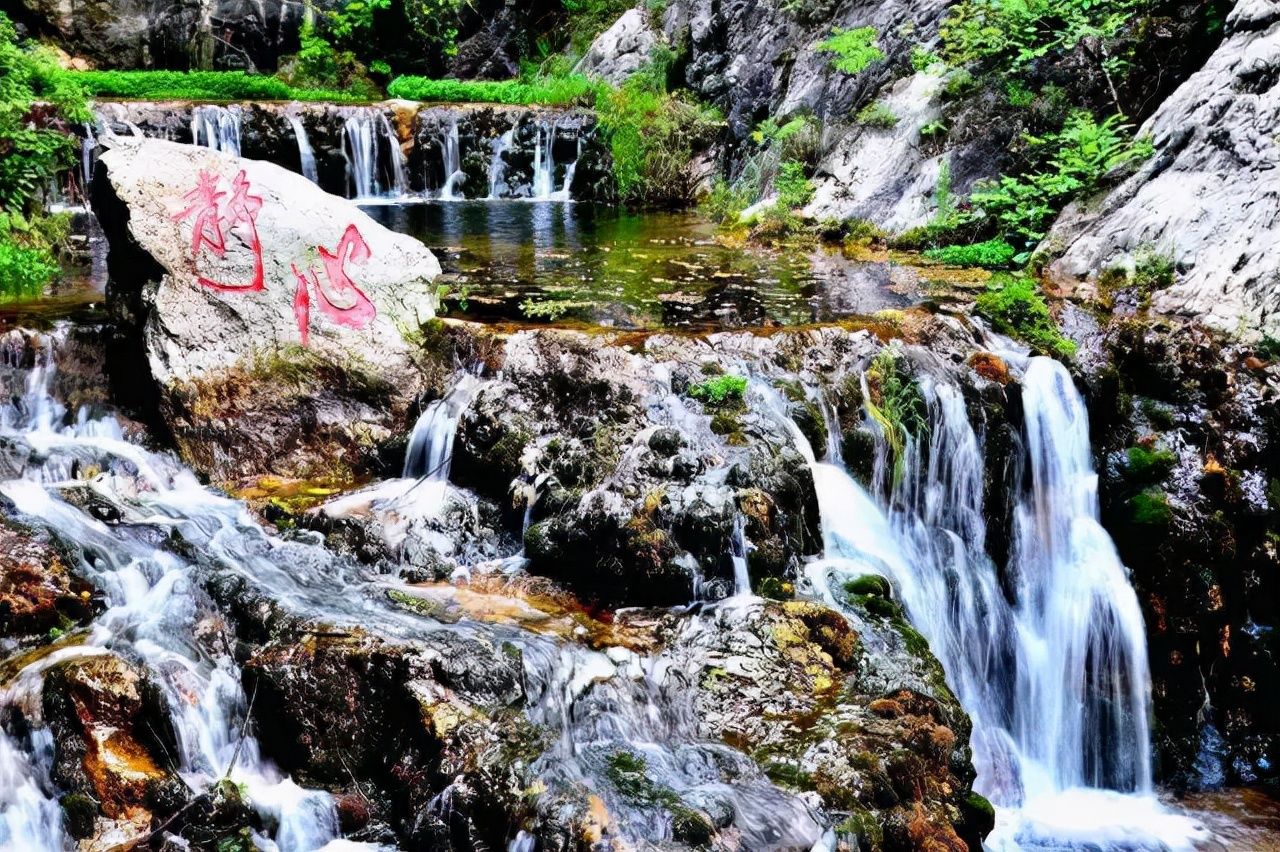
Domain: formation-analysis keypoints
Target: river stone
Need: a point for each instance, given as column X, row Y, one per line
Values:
column 364, row 285
column 1209, row 197
column 621, row 50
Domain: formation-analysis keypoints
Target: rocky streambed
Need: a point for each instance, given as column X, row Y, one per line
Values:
column 290, row 562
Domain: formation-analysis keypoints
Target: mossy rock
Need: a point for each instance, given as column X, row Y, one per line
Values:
column 869, row 584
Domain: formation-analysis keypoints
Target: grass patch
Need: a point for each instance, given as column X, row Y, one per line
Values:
column 199, row 86
column 1013, row 305
column 547, row 91
column 1149, row 465
column 877, row 115
column 992, row 254
column 894, row 402
column 1151, row 508
column 720, row 391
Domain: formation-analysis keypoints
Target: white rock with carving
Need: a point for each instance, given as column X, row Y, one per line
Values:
column 255, row 260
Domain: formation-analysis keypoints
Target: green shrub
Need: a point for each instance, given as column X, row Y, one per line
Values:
column 793, row 187
column 878, row 115
column 896, row 405
column 854, row 50
column 934, row 131
column 550, row 91
column 923, row 59
column 1018, row 94
column 1013, row 305
column 725, row 203
column 721, row 390
column 1152, row 270
column 992, row 254
column 1073, row 163
column 24, row 272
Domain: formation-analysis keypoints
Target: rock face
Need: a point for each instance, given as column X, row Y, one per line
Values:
column 1185, row 427
column 235, row 271
column 621, row 50
column 1210, row 196
column 177, row 34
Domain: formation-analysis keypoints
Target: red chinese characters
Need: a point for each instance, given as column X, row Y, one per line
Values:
column 337, row 297
column 223, row 210
column 220, row 213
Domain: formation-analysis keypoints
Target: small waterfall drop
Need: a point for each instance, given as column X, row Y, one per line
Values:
column 367, row 133
column 544, row 161
column 430, row 452
column 738, row 555
column 451, row 149
column 216, row 127
column 306, row 156
column 498, row 164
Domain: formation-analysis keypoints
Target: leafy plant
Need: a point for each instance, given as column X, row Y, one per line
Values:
column 792, row 185
column 896, row 405
column 1075, row 160
column 923, row 59
column 877, row 115
column 720, row 390
column 547, row 91
column 992, row 254
column 934, row 131
column 854, row 49
column 24, row 272
column 1018, row 94
column 205, row 85
column 1013, row 305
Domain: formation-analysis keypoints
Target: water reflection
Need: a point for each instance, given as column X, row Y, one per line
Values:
column 549, row 260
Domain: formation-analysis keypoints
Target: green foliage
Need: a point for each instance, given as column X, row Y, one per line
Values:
column 923, row 59
column 934, row 131
column 1018, row 94
column 1152, row 270
column 724, row 203
column 854, row 50
column 896, row 405
column 720, row 391
column 436, row 23
column 24, row 272
column 204, row 86
column 992, row 254
column 589, row 18
column 654, row 136
column 878, row 115
column 1013, row 305
column 1011, row 34
column 1074, row 161
column 547, row 91
column 792, row 185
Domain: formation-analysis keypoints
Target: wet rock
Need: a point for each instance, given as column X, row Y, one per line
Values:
column 113, row 745
column 231, row 297
column 1183, row 427
column 38, row 595
column 1212, row 174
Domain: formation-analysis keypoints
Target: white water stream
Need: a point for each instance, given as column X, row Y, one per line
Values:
column 306, row 156
column 375, row 163
column 216, row 127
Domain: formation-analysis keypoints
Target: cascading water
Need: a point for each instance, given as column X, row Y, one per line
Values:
column 153, row 605
column 452, row 156
column 366, row 133
column 544, row 161
column 216, row 127
column 738, row 555
column 306, row 156
column 1056, row 681
column 498, row 164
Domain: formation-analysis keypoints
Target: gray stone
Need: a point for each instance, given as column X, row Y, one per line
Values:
column 621, row 50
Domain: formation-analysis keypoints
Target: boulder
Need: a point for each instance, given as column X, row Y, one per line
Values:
column 1213, row 175
column 275, row 321
column 621, row 50
column 37, row 591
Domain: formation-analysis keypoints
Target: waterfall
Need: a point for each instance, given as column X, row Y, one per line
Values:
column 430, row 452
column 452, row 156
column 154, row 605
column 306, row 156
column 216, row 127
column 738, row 555
column 88, row 155
column 366, row 133
column 544, row 161
column 498, row 164
column 1055, row 680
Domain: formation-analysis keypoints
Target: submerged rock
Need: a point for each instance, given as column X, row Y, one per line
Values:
column 271, row 320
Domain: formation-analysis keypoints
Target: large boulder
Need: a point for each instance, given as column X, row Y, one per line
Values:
column 275, row 321
column 37, row 592
column 621, row 50
column 1208, row 199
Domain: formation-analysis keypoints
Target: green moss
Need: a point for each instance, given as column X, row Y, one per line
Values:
column 1149, row 465
column 864, row 825
column 977, row 804
column 1013, row 304
column 877, row 115
column 775, row 588
column 199, row 86
column 853, row 50
column 869, row 584
column 80, row 813
column 1151, row 508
